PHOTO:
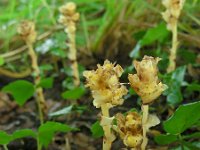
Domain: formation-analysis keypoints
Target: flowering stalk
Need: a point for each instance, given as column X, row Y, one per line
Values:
column 107, row 93
column 171, row 15
column 68, row 18
column 147, row 85
column 28, row 34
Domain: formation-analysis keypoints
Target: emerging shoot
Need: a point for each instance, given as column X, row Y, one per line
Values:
column 27, row 31
column 147, row 85
column 107, row 93
column 69, row 18
column 171, row 15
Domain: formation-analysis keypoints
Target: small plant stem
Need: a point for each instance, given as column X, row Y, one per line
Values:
column 5, row 147
column 72, row 57
column 39, row 91
column 172, row 57
column 39, row 147
column 181, row 141
column 145, row 114
column 107, row 131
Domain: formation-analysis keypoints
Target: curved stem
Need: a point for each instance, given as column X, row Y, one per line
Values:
column 39, row 91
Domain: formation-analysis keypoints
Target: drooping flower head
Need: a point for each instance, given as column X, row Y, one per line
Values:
column 146, row 83
column 104, row 84
column 26, row 29
column 172, row 13
column 129, row 128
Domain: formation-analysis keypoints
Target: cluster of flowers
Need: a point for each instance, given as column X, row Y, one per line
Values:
column 107, row 92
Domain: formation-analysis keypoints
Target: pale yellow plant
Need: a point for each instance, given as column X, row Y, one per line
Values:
column 171, row 15
column 129, row 128
column 147, row 85
column 107, row 93
column 69, row 18
column 27, row 31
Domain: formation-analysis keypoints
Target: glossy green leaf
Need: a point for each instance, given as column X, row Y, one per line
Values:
column 47, row 82
column 23, row 133
column 21, row 90
column 4, row 138
column 47, row 131
column 165, row 139
column 74, row 94
column 183, row 118
column 97, row 130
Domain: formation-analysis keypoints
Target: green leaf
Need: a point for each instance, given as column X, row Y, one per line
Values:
column 46, row 82
column 21, row 90
column 174, row 81
column 192, row 146
column 74, row 94
column 46, row 67
column 159, row 33
column 193, row 87
column 47, row 130
column 4, row 138
column 165, row 139
column 193, row 135
column 63, row 111
column 23, row 133
column 1, row 61
column 184, row 117
column 59, row 52
column 187, row 56
column 97, row 130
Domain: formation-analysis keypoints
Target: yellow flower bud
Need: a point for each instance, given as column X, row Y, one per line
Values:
column 26, row 29
column 146, row 83
column 129, row 128
column 104, row 84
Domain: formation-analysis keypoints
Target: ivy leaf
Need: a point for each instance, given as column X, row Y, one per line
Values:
column 165, row 139
column 184, row 117
column 97, row 130
column 74, row 94
column 21, row 90
column 47, row 130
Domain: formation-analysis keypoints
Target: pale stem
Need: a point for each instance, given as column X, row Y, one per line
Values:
column 145, row 114
column 39, row 91
column 107, row 131
column 5, row 147
column 72, row 57
column 172, row 57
